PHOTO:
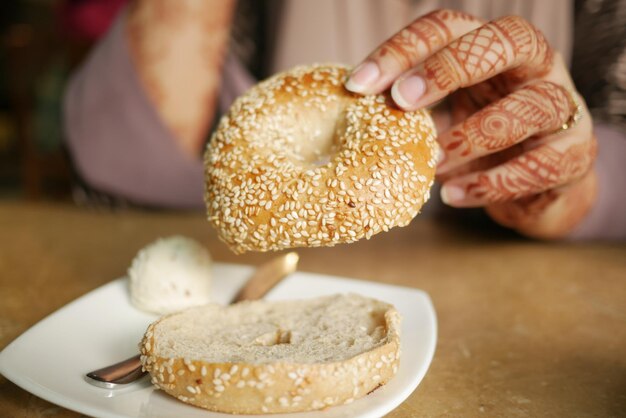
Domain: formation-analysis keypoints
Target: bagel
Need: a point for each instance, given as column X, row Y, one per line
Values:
column 299, row 161
column 275, row 356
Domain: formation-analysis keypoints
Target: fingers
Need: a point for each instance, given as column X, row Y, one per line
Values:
column 540, row 169
column 408, row 47
column 537, row 108
column 551, row 214
column 509, row 44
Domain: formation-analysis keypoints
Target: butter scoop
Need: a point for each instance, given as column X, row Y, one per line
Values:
column 170, row 274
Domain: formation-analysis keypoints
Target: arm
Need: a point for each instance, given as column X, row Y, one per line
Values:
column 178, row 49
column 122, row 137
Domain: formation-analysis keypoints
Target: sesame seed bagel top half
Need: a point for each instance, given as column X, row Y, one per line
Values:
column 301, row 162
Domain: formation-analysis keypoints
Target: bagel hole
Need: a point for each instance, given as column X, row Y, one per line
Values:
column 320, row 135
column 322, row 160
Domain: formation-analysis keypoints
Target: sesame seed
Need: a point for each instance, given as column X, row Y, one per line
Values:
column 250, row 180
column 317, row 404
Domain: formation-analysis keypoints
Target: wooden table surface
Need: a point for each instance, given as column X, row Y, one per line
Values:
column 526, row 329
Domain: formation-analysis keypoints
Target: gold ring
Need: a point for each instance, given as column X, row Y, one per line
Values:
column 575, row 117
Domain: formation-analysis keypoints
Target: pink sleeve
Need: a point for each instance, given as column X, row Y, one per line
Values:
column 607, row 218
column 118, row 143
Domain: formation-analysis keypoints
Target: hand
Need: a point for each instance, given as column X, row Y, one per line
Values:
column 509, row 95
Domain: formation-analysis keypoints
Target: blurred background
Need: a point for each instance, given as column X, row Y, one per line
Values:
column 41, row 42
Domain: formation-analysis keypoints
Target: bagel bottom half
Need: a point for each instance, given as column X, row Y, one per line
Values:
column 275, row 357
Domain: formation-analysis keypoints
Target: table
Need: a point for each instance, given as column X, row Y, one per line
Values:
column 526, row 328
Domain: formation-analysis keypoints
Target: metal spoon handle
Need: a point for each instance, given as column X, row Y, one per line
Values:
column 263, row 280
column 124, row 372
column 267, row 276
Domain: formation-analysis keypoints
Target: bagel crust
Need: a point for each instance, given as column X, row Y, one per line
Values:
column 273, row 387
column 299, row 161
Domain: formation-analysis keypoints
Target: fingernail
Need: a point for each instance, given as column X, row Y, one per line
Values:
column 452, row 194
column 441, row 161
column 406, row 92
column 440, row 155
column 363, row 77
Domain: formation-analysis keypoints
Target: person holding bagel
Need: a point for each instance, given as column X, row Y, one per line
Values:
column 516, row 138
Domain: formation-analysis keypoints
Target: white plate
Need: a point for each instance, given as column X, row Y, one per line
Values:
column 102, row 327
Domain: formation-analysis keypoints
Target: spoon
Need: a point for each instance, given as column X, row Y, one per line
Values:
column 264, row 278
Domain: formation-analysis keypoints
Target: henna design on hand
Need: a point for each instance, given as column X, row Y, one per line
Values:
column 415, row 42
column 426, row 33
column 423, row 37
column 509, row 45
column 535, row 171
column 526, row 41
column 538, row 107
column 551, row 214
column 513, row 212
column 479, row 52
column 495, row 152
